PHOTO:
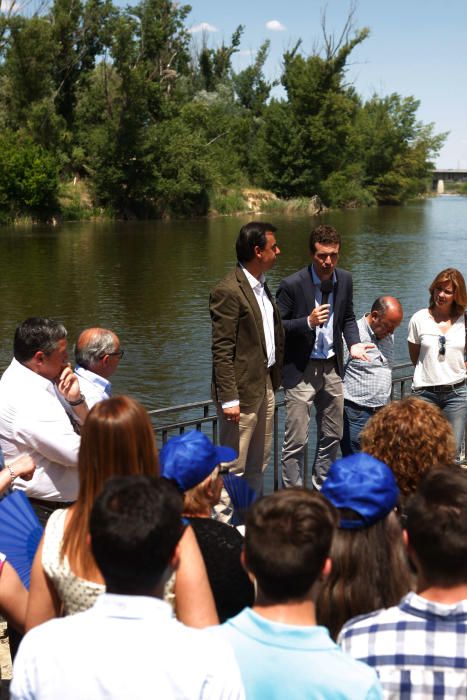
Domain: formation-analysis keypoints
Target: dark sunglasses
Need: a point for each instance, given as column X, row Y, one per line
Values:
column 442, row 345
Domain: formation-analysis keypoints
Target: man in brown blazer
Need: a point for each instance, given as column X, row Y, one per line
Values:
column 247, row 349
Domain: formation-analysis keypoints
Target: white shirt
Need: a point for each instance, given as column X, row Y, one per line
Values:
column 267, row 314
column 124, row 648
column 34, row 422
column 433, row 369
column 94, row 387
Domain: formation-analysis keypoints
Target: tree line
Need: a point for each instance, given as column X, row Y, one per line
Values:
column 121, row 99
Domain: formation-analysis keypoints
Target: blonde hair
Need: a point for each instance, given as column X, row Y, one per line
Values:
column 410, row 436
column 197, row 500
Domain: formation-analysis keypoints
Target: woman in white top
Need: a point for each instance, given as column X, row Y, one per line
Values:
column 437, row 340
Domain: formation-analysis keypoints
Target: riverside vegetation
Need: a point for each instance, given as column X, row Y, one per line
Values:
column 115, row 111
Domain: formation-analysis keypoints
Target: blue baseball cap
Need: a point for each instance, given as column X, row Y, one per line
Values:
column 188, row 459
column 363, row 484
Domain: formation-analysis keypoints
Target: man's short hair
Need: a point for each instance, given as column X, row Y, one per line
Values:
column 379, row 305
column 250, row 236
column 37, row 334
column 99, row 342
column 437, row 525
column 135, row 525
column 325, row 235
column 288, row 537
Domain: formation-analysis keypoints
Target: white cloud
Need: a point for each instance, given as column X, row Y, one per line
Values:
column 203, row 27
column 275, row 26
column 246, row 52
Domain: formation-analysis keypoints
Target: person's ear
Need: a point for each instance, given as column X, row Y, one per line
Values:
column 327, row 567
column 174, row 562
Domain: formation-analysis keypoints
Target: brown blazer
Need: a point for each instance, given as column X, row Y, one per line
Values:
column 238, row 344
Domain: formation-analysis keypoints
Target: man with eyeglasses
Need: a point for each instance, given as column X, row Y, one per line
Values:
column 367, row 385
column 97, row 354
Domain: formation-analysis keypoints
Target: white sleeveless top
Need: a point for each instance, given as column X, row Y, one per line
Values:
column 76, row 594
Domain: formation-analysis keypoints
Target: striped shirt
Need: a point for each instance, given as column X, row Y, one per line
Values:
column 418, row 648
column 369, row 383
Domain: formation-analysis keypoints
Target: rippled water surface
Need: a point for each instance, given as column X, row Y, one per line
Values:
column 150, row 282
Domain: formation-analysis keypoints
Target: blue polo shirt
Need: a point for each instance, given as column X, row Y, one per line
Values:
column 296, row 662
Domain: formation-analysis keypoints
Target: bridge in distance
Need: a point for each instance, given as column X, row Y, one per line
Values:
column 440, row 177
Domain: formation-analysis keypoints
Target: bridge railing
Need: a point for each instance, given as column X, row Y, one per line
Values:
column 201, row 415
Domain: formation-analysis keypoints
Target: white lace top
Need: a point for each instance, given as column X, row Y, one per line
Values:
column 77, row 594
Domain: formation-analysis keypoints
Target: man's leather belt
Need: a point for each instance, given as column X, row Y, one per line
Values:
column 440, row 388
column 358, row 407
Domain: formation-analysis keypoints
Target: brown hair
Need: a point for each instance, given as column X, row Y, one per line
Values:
column 196, row 501
column 369, row 571
column 410, row 436
column 450, row 274
column 117, row 439
column 437, row 527
column 287, row 539
column 325, row 235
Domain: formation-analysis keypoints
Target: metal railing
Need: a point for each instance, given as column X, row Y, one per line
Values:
column 202, row 415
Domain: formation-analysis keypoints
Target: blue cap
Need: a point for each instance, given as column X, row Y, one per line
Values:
column 363, row 484
column 188, row 459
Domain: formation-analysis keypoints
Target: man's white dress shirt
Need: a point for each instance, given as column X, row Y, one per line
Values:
column 267, row 316
column 34, row 422
column 124, row 648
column 94, row 387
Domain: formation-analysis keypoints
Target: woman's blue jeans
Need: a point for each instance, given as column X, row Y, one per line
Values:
column 453, row 403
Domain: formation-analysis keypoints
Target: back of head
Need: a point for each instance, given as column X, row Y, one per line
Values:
column 287, row 540
column 369, row 566
column 410, row 436
column 250, row 236
column 324, row 235
column 437, row 526
column 37, row 334
column 92, row 345
column 117, row 439
column 135, row 525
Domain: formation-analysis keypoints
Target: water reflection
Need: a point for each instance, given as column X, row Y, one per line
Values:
column 150, row 281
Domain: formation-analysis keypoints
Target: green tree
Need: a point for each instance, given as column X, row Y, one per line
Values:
column 28, row 178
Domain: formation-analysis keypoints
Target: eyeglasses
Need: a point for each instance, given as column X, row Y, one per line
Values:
column 442, row 344
column 117, row 353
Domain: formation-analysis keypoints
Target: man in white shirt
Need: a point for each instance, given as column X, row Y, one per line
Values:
column 33, row 392
column 247, row 350
column 97, row 355
column 128, row 645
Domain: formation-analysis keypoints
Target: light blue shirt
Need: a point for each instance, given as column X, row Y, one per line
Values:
column 94, row 387
column 323, row 349
column 280, row 661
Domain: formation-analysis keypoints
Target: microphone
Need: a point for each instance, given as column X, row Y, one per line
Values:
column 326, row 289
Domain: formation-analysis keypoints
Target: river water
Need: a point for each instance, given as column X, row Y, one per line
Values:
column 150, row 281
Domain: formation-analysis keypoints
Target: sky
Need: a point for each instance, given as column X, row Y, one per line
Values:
column 415, row 47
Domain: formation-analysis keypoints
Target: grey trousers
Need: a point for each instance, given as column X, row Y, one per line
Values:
column 321, row 385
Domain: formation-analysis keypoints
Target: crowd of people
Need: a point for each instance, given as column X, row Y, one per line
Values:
column 142, row 585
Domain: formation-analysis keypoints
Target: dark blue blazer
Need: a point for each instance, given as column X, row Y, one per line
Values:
column 296, row 300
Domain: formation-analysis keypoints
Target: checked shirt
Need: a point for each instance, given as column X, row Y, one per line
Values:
column 418, row 648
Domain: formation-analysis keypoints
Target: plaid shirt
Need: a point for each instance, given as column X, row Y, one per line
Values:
column 369, row 383
column 419, row 648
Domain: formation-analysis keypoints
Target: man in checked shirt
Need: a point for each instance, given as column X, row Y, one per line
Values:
column 367, row 385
